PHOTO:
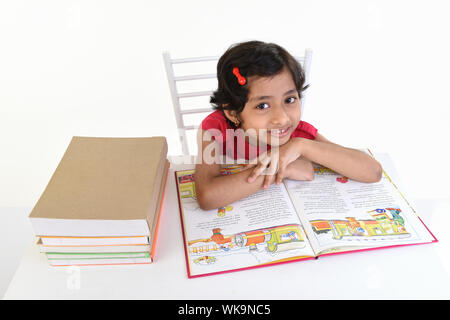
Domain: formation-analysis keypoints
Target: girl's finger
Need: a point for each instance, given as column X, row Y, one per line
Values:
column 267, row 181
column 280, row 176
column 262, row 165
column 256, row 172
column 281, row 173
column 273, row 168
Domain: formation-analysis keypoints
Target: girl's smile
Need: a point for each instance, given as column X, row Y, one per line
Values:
column 279, row 133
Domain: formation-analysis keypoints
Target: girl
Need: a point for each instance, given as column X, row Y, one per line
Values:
column 257, row 118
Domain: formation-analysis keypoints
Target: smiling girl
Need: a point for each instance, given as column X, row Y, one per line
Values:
column 258, row 118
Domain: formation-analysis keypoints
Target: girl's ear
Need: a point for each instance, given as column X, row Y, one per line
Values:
column 231, row 115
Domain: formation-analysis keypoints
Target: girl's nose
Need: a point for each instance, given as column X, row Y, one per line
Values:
column 279, row 116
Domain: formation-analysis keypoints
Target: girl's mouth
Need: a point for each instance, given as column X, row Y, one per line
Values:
column 280, row 132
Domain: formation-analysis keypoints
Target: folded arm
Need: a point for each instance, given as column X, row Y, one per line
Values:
column 351, row 163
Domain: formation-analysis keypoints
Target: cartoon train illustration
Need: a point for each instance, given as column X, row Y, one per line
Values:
column 275, row 239
column 383, row 225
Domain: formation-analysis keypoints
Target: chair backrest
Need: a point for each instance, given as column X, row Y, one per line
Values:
column 178, row 97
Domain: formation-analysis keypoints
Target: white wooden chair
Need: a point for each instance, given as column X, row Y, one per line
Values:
column 178, row 97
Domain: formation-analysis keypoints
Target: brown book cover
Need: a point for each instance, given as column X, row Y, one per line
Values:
column 103, row 187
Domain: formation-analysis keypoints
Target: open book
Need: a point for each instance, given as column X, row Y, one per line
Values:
column 293, row 221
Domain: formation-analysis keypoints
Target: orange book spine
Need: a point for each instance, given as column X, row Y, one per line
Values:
column 152, row 253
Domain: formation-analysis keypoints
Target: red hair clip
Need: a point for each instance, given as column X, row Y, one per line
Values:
column 240, row 78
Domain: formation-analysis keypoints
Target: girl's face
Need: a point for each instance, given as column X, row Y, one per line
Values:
column 272, row 109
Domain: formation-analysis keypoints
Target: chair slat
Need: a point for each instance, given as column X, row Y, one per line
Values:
column 198, row 59
column 194, row 94
column 193, row 111
column 196, row 77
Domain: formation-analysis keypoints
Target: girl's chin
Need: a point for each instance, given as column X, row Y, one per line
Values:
column 278, row 142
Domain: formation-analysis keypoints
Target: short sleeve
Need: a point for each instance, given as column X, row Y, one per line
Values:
column 215, row 123
column 305, row 130
column 210, row 123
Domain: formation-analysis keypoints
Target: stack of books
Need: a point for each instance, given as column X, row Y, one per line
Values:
column 102, row 205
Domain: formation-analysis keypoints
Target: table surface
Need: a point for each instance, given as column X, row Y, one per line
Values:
column 411, row 272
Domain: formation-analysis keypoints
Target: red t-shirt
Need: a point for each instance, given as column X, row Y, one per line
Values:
column 217, row 124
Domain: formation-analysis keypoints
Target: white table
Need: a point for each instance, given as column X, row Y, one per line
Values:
column 412, row 272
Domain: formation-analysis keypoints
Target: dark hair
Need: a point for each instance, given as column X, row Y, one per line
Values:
column 253, row 58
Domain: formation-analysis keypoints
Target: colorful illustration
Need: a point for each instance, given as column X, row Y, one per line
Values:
column 221, row 211
column 342, row 179
column 269, row 240
column 323, row 170
column 276, row 239
column 385, row 224
column 186, row 186
column 218, row 237
column 205, row 260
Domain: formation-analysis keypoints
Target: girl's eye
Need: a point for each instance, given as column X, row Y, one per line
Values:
column 291, row 100
column 262, row 106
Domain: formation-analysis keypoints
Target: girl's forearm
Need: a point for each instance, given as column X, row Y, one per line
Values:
column 223, row 190
column 351, row 163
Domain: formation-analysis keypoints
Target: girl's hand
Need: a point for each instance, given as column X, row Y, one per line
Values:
column 288, row 153
column 267, row 164
column 276, row 161
column 300, row 169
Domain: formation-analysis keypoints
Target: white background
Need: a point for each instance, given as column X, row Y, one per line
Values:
column 380, row 76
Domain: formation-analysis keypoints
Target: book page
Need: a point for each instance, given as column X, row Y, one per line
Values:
column 340, row 214
column 259, row 229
